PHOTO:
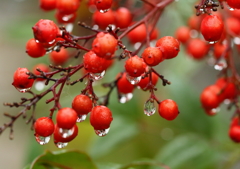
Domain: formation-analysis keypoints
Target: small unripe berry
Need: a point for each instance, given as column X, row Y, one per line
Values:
column 168, row 109
column 66, row 118
column 44, row 126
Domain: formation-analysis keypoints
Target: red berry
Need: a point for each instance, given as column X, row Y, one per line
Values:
column 59, row 57
column 104, row 45
column 66, row 118
column 35, row 49
column 144, row 82
column 212, row 28
column 194, row 22
column 228, row 88
column 42, row 67
column 67, row 6
column 48, row 5
column 197, row 48
column 44, row 126
column 152, row 56
column 103, row 5
column 21, row 79
column 138, row 34
column 63, row 18
column 123, row 17
column 59, row 138
column 233, row 25
column 210, row 97
column 93, row 63
column 220, row 50
column 103, row 19
column 168, row 109
column 101, row 117
column 82, row 104
column 183, row 34
column 45, row 31
column 123, row 85
column 135, row 66
column 234, row 133
column 169, row 46
column 233, row 4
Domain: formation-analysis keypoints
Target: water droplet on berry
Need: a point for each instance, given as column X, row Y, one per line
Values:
column 133, row 80
column 236, row 40
column 103, row 11
column 66, row 132
column 137, row 45
column 220, row 65
column 69, row 27
column 149, row 108
column 231, row 9
column 23, row 90
column 81, row 118
column 97, row 76
column 125, row 97
column 42, row 140
column 102, row 133
column 60, row 144
column 212, row 42
column 95, row 27
column 39, row 85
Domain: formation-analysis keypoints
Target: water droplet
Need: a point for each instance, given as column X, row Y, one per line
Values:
column 231, row 9
column 133, row 80
column 69, row 27
column 39, row 85
column 95, row 27
column 60, row 144
column 66, row 132
column 23, row 90
column 102, row 133
column 67, row 17
column 212, row 42
column 137, row 45
column 81, row 118
column 125, row 97
column 149, row 108
column 42, row 140
column 97, row 76
column 103, row 11
column 220, row 65
column 236, row 40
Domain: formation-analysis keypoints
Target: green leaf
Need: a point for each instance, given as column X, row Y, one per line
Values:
column 63, row 160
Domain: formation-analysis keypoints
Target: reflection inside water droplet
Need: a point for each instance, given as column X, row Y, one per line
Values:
column 60, row 144
column 23, row 90
column 133, row 80
column 66, row 132
column 81, row 118
column 149, row 108
column 42, row 140
column 97, row 76
column 102, row 133
column 125, row 97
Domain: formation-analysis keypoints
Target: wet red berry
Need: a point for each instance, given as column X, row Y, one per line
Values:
column 103, row 5
column 21, row 79
column 82, row 104
column 152, row 56
column 66, row 118
column 135, row 66
column 44, row 126
column 35, row 49
column 59, row 57
column 168, row 109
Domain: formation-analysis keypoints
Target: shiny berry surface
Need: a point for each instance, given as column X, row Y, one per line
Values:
column 44, row 126
column 168, row 109
column 82, row 104
column 66, row 118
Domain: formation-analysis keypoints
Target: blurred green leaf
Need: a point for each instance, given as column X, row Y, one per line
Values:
column 63, row 160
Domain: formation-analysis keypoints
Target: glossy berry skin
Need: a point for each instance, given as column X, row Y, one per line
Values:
column 60, row 57
column 234, row 133
column 123, row 17
column 21, row 79
column 135, row 66
column 103, row 19
column 212, row 28
column 48, row 5
column 168, row 109
column 101, row 117
column 233, row 4
column 34, row 49
column 43, row 67
column 45, row 31
column 183, row 34
column 103, row 4
column 58, row 137
column 138, row 34
column 82, row 104
column 67, row 6
column 104, row 45
column 44, row 126
column 123, row 85
column 210, row 97
column 197, row 48
column 169, row 46
column 152, row 56
column 143, row 84
column 66, row 118
column 93, row 63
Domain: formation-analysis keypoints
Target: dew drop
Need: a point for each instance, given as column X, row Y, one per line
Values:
column 220, row 65
column 133, row 80
column 66, row 132
column 81, row 118
column 231, row 9
column 60, row 144
column 236, row 40
column 103, row 11
column 69, row 27
column 149, row 108
column 39, row 85
column 137, row 45
column 23, row 90
column 212, row 42
column 97, row 76
column 125, row 97
column 102, row 133
column 42, row 140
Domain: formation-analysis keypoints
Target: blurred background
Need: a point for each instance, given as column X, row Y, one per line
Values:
column 192, row 140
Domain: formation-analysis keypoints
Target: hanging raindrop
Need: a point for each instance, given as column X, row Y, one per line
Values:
column 81, row 118
column 102, row 133
column 66, row 132
column 97, row 76
column 60, row 144
column 125, row 97
column 23, row 90
column 149, row 108
column 133, row 80
column 42, row 140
